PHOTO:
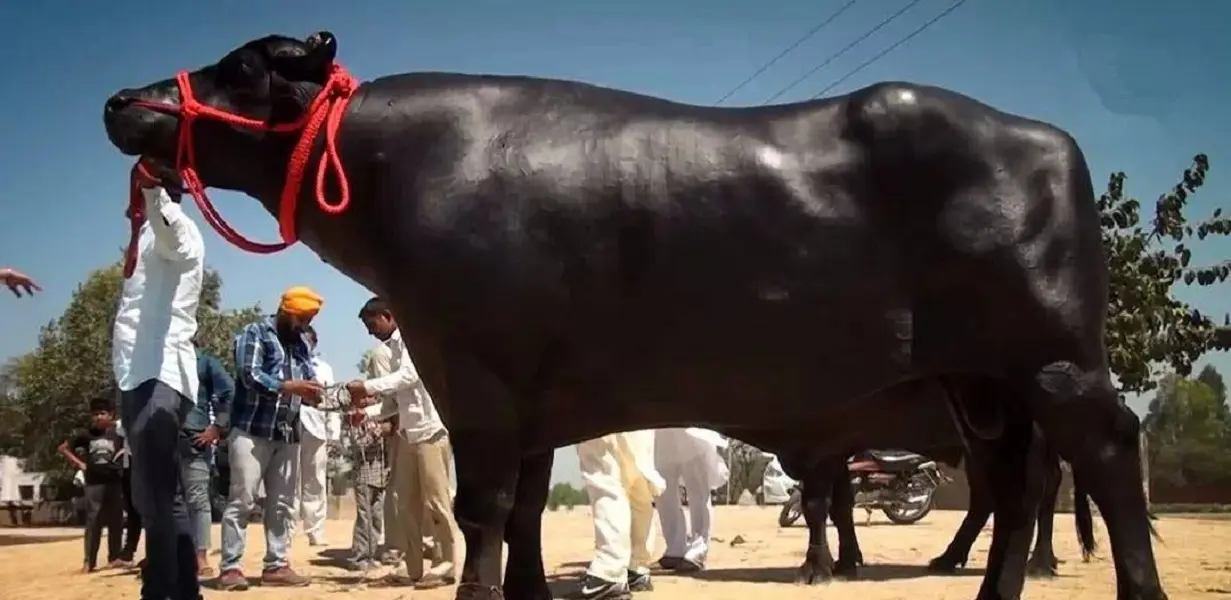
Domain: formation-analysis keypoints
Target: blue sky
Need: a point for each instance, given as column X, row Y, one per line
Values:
column 1140, row 88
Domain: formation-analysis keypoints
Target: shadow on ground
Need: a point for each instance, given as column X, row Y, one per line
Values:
column 26, row 540
column 876, row 572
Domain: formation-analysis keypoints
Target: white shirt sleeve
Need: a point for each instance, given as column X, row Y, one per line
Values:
column 401, row 379
column 176, row 237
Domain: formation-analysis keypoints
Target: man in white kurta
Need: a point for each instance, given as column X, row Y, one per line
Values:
column 317, row 430
column 618, row 471
column 690, row 456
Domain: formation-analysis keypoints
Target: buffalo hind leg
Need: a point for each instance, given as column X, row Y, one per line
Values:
column 1084, row 419
column 524, row 577
column 1014, row 465
column 841, row 512
column 1043, row 561
column 982, row 497
column 818, row 484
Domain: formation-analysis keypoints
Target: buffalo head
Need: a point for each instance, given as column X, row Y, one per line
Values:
column 272, row 80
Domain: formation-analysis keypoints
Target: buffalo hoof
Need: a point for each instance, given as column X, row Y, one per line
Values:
column 846, row 569
column 1043, row 569
column 946, row 565
column 812, row 574
column 478, row 591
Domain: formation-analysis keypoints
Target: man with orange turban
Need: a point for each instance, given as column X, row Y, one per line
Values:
column 274, row 377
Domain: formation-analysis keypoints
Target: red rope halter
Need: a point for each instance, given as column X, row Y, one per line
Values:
column 326, row 110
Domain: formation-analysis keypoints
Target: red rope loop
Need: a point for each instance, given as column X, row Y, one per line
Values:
column 326, row 110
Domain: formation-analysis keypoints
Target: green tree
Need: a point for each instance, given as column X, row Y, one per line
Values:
column 50, row 387
column 1147, row 327
column 564, row 494
column 1189, row 433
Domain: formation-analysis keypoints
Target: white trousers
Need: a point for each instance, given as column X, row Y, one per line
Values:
column 621, row 500
column 311, row 505
column 683, row 541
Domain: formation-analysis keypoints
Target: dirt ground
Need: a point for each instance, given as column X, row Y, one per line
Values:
column 1195, row 561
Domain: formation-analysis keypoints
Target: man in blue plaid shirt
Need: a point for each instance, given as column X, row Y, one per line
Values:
column 273, row 363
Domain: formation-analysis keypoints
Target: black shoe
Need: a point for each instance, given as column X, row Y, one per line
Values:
column 639, row 582
column 594, row 588
column 669, row 562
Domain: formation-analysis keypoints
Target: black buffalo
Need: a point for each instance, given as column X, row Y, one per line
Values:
column 1042, row 562
column 568, row 260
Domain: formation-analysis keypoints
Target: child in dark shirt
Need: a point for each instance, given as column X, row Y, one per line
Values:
column 98, row 452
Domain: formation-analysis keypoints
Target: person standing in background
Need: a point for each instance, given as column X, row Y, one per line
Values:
column 618, row 471
column 97, row 453
column 274, row 364
column 132, row 519
column 204, row 426
column 692, row 456
column 154, row 363
column 371, row 447
column 317, row 430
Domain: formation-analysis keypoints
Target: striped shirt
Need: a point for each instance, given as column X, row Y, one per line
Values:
column 263, row 361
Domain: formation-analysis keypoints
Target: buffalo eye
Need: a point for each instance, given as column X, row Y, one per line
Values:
column 244, row 72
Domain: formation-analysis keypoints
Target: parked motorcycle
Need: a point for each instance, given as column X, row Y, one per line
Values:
column 902, row 485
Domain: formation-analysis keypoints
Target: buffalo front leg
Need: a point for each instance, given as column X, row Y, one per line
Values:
column 1043, row 561
column 841, row 512
column 818, row 487
column 1083, row 417
column 982, row 497
column 524, row 576
column 487, row 465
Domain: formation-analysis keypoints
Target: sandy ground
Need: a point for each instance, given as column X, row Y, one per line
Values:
column 1195, row 561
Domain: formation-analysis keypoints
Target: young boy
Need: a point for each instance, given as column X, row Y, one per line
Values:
column 97, row 452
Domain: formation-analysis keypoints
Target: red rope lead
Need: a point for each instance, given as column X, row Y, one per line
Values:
column 326, row 110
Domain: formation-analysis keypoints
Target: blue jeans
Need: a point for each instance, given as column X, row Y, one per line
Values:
column 153, row 414
column 253, row 461
column 196, row 474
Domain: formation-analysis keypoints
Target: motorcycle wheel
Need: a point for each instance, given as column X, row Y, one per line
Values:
column 901, row 515
column 791, row 511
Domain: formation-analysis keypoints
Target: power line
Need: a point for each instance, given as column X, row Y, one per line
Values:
column 839, row 53
column 891, row 48
column 793, row 46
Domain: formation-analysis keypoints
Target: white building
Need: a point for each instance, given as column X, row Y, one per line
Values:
column 16, row 485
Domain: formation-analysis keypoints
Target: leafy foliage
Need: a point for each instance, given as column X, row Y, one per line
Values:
column 1147, row 327
column 1189, row 430
column 563, row 494
column 47, row 390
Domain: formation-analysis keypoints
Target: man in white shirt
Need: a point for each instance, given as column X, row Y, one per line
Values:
column 155, row 367
column 421, row 456
column 692, row 456
column 621, row 481
column 317, row 430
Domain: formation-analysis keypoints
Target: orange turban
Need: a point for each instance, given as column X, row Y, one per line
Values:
column 301, row 301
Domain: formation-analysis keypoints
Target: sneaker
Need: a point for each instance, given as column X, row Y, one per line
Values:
column 232, row 580
column 594, row 588
column 431, row 581
column 283, row 577
column 639, row 581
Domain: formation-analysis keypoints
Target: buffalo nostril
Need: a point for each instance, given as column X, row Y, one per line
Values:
column 119, row 102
